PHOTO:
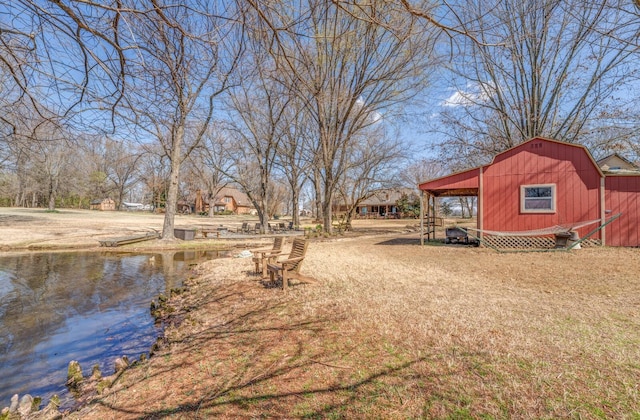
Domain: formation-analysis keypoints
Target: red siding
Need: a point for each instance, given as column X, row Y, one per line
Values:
column 461, row 180
column 569, row 167
column 577, row 180
column 622, row 196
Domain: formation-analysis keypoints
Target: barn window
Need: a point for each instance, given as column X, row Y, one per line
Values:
column 538, row 198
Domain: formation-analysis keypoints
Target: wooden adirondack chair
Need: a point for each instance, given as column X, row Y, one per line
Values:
column 263, row 256
column 289, row 268
column 257, row 228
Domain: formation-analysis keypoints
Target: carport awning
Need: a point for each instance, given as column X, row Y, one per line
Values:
column 455, row 185
column 457, row 192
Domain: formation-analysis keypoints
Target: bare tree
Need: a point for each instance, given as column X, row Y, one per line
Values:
column 48, row 153
column 159, row 65
column 154, row 174
column 184, row 57
column 348, row 64
column 53, row 64
column 59, row 59
column 211, row 162
column 257, row 124
column 540, row 68
column 121, row 167
column 295, row 154
column 372, row 166
column 278, row 197
column 422, row 170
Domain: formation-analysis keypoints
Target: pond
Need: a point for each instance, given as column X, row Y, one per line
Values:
column 89, row 307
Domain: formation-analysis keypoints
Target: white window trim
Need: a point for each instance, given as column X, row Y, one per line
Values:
column 553, row 198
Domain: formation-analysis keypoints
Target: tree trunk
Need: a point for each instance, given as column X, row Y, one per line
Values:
column 463, row 208
column 326, row 213
column 212, row 204
column 318, row 190
column 327, row 202
column 52, row 202
column 52, row 194
column 119, row 199
column 295, row 213
column 171, row 202
column 172, row 194
column 472, row 201
column 349, row 217
column 264, row 200
column 264, row 222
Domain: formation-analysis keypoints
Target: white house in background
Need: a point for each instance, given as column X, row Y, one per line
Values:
column 132, row 206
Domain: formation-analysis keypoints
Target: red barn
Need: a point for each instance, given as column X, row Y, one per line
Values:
column 543, row 183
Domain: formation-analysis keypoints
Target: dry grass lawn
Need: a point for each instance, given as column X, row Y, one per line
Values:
column 395, row 330
column 390, row 330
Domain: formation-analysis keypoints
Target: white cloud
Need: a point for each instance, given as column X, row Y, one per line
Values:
column 458, row 99
column 471, row 96
column 375, row 116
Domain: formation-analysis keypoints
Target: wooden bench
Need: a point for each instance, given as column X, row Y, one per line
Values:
column 289, row 268
column 210, row 231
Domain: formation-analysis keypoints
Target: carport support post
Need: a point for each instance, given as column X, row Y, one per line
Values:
column 480, row 210
column 436, row 212
column 421, row 217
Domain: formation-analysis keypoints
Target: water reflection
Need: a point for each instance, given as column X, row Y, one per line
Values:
column 90, row 307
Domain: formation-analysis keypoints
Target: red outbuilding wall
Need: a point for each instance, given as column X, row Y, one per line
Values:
column 623, row 196
column 581, row 191
column 541, row 161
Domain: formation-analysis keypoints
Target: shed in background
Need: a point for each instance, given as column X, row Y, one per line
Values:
column 105, row 204
column 542, row 183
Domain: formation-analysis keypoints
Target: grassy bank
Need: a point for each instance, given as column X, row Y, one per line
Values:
column 395, row 330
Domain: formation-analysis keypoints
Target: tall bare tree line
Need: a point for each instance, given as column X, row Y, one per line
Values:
column 266, row 94
column 558, row 69
column 350, row 66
